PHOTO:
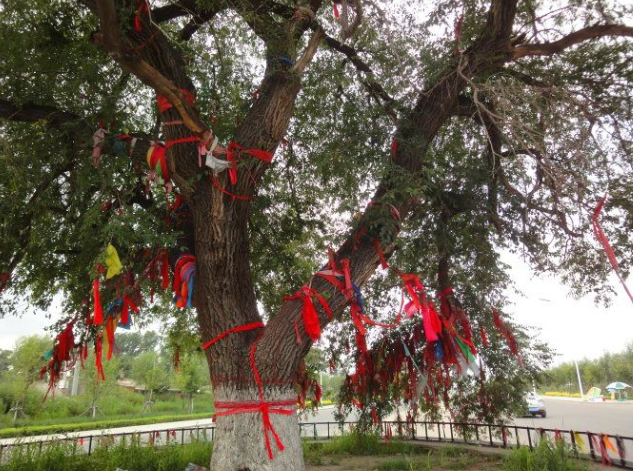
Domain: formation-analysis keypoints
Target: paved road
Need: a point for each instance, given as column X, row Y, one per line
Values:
column 600, row 417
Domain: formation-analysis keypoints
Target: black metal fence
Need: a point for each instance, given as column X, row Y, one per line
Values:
column 606, row 448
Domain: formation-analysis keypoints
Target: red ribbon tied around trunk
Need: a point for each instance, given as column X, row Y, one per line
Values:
column 283, row 407
column 232, row 153
column 310, row 315
column 602, row 238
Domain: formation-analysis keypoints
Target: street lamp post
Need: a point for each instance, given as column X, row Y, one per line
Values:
column 579, row 379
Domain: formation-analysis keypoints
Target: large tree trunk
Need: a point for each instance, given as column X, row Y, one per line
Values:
column 240, row 441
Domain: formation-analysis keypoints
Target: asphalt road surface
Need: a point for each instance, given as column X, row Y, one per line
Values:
column 614, row 418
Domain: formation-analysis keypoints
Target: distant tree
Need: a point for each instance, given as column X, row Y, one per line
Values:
column 192, row 375
column 5, row 360
column 149, row 370
column 134, row 343
column 96, row 387
column 25, row 364
column 130, row 345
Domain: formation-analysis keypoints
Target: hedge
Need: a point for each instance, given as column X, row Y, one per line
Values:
column 96, row 425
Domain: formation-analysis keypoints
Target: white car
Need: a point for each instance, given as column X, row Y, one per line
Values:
column 535, row 405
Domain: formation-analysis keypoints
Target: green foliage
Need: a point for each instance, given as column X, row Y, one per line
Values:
column 149, row 370
column 545, row 457
column 5, row 360
column 600, row 372
column 25, row 361
column 125, row 455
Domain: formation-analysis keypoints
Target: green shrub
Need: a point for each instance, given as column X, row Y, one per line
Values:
column 547, row 456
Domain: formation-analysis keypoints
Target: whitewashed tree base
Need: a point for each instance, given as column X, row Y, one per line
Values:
column 239, row 443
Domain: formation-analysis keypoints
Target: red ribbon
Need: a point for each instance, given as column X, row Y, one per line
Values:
column 484, row 338
column 159, row 157
column 164, row 269
column 262, row 407
column 143, row 7
column 182, row 140
column 98, row 311
column 602, row 238
column 164, row 104
column 337, row 15
column 381, row 255
column 98, row 355
column 234, row 330
column 110, row 336
column 232, row 152
column 227, row 192
column 310, row 316
column 125, row 312
column 394, row 148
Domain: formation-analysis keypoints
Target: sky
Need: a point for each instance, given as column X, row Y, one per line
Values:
column 575, row 328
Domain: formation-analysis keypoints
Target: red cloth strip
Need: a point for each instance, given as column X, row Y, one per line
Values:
column 164, row 104
column 232, row 152
column 110, row 336
column 262, row 407
column 182, row 140
column 143, row 7
column 159, row 157
column 381, row 255
column 227, row 192
column 234, row 330
column 98, row 311
column 602, row 238
column 310, row 316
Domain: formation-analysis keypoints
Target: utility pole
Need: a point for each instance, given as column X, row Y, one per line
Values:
column 579, row 379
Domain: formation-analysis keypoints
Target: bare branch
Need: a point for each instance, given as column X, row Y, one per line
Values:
column 577, row 37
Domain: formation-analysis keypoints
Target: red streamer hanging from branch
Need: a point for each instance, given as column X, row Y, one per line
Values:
column 311, row 321
column 602, row 238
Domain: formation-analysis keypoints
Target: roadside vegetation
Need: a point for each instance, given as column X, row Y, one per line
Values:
column 561, row 380
column 360, row 451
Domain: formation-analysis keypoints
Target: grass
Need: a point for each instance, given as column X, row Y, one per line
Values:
column 445, row 458
column 547, row 456
column 126, row 455
column 368, row 452
column 80, row 425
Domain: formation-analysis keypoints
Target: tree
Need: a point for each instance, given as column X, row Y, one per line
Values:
column 5, row 360
column 425, row 139
column 192, row 374
column 26, row 363
column 148, row 370
column 95, row 386
column 132, row 344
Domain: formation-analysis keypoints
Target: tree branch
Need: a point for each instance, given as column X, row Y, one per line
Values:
column 31, row 113
column 577, row 37
column 110, row 37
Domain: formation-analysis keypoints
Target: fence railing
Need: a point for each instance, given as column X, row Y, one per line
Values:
column 599, row 447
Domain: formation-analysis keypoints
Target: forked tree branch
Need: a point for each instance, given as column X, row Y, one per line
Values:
column 572, row 39
column 110, row 37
